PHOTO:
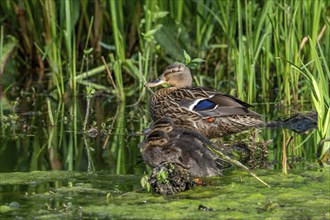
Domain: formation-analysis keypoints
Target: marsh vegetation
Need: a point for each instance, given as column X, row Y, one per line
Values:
column 72, row 75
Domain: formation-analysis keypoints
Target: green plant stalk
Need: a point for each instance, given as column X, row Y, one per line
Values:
column 296, row 75
column 240, row 60
column 75, row 104
column 249, row 67
column 60, row 117
column 53, row 46
column 71, row 57
column 95, row 85
column 238, row 164
column 92, row 72
column 50, row 113
column 87, row 52
column 118, row 144
column 199, row 22
column 1, row 72
column 116, row 64
column 68, row 35
column 35, row 154
column 147, row 46
column 90, row 162
column 119, row 43
column 179, row 8
column 118, row 37
column 69, row 153
column 317, row 8
column 261, row 38
column 265, row 72
column 205, row 30
column 31, row 20
column 287, row 53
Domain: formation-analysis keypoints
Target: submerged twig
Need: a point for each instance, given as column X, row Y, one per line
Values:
column 285, row 154
column 109, row 74
column 50, row 113
column 87, row 113
column 90, row 166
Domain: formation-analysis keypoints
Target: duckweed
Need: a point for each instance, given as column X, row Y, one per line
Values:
column 300, row 194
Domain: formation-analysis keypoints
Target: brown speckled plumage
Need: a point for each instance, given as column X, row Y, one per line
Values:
column 229, row 115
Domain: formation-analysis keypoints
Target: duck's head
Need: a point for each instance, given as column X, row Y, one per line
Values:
column 163, row 124
column 155, row 138
column 177, row 75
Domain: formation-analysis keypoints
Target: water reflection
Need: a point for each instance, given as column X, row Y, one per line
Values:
column 41, row 134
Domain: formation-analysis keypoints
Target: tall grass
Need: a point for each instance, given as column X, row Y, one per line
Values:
column 318, row 73
column 260, row 51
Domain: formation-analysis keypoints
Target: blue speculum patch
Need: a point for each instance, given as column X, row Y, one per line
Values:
column 204, row 105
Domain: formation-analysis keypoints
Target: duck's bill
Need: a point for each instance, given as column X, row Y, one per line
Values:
column 154, row 83
column 146, row 131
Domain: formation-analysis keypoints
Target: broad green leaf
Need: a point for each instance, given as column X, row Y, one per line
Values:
column 160, row 14
column 326, row 124
column 198, row 60
column 186, row 57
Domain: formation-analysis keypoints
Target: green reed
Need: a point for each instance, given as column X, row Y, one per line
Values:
column 319, row 77
column 118, row 146
column 2, row 60
column 116, row 9
column 52, row 48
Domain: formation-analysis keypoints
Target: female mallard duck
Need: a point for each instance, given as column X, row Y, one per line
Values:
column 199, row 161
column 211, row 113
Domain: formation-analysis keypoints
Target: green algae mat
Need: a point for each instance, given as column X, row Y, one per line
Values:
column 75, row 195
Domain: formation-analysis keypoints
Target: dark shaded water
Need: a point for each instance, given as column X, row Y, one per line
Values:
column 30, row 140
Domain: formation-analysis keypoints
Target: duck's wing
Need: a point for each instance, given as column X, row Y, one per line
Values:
column 208, row 103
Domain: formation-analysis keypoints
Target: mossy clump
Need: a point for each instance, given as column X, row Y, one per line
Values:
column 169, row 178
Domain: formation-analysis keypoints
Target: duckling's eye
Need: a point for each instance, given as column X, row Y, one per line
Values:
column 168, row 129
column 163, row 141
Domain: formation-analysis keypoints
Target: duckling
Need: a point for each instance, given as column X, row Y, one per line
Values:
column 209, row 112
column 199, row 161
column 167, row 125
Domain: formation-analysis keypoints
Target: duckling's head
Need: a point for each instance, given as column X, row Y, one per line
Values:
column 157, row 138
column 163, row 124
column 177, row 75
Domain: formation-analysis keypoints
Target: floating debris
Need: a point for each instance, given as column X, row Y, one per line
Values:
column 299, row 123
column 204, row 208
